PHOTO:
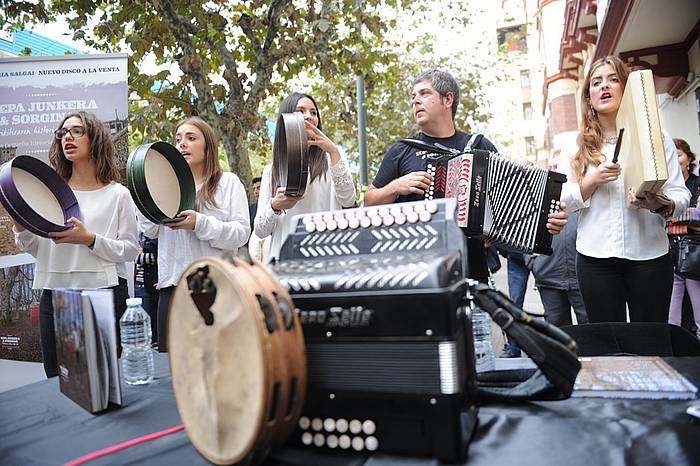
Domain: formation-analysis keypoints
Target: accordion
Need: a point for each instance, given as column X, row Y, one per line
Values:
column 643, row 158
column 498, row 200
column 381, row 298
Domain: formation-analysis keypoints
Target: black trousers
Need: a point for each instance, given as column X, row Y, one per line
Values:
column 47, row 332
column 164, row 296
column 607, row 285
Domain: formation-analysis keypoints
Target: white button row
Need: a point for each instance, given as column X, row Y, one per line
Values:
column 371, row 216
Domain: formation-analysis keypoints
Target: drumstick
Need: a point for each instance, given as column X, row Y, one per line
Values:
column 617, row 145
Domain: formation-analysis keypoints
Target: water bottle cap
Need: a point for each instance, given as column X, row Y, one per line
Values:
column 133, row 301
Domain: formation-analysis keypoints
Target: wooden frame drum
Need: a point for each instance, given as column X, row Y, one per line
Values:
column 237, row 359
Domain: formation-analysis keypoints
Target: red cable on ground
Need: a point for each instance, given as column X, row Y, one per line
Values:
column 123, row 446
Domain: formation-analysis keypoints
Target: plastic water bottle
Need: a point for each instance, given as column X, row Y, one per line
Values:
column 137, row 356
column 483, row 348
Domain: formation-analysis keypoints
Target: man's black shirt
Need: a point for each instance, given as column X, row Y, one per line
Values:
column 402, row 159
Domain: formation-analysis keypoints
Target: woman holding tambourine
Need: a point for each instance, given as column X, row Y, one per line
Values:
column 329, row 187
column 678, row 228
column 92, row 253
column 623, row 258
column 219, row 224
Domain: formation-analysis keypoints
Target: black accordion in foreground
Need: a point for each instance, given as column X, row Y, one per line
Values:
column 381, row 296
column 498, row 200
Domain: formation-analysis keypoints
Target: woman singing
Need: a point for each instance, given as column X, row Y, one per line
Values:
column 623, row 257
column 92, row 253
column 330, row 185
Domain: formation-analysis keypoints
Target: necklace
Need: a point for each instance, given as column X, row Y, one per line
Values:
column 611, row 140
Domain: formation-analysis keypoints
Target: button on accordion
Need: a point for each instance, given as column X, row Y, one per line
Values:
column 498, row 200
column 381, row 299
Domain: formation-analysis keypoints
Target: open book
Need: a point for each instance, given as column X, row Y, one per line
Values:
column 648, row 377
column 86, row 347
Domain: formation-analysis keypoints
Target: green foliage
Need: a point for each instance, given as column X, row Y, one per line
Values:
column 233, row 62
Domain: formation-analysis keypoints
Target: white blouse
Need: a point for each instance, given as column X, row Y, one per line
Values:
column 109, row 213
column 217, row 229
column 607, row 226
column 333, row 190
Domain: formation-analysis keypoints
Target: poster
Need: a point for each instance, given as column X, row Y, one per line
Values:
column 35, row 94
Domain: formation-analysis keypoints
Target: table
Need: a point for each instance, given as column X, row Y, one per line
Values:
column 40, row 426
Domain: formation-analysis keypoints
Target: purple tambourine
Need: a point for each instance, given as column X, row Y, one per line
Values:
column 36, row 197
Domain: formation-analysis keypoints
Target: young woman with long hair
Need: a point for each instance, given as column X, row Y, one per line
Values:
column 330, row 185
column 220, row 222
column 623, row 259
column 92, row 253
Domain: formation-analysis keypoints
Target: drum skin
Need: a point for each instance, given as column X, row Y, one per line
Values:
column 160, row 182
column 232, row 378
column 36, row 196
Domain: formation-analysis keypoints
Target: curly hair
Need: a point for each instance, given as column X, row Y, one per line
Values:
column 101, row 149
column 212, row 168
column 590, row 139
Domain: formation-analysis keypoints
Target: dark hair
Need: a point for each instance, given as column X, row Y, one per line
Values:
column 318, row 162
column 590, row 139
column 444, row 83
column 685, row 147
column 212, row 168
column 257, row 179
column 101, row 149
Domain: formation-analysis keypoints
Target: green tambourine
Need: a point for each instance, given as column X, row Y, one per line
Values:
column 160, row 182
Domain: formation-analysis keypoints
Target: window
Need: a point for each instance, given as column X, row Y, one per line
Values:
column 527, row 111
column 530, row 146
column 524, row 78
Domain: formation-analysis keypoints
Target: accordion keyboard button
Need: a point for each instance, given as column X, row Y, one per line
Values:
column 329, row 425
column 400, row 219
column 316, row 424
column 431, row 207
column 342, row 224
column 344, row 442
column 358, row 444
column 355, row 426
column 353, row 223
column 368, row 427
column 304, row 423
column 307, row 438
column 310, row 227
column 371, row 443
column 341, row 425
column 412, row 217
column 365, row 222
column 425, row 216
column 376, row 221
column 319, row 440
column 332, row 441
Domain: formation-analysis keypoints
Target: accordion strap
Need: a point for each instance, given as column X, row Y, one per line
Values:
column 552, row 350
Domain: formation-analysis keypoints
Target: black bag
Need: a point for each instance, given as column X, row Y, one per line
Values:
column 688, row 262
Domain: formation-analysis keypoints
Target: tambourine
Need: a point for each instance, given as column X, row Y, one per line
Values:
column 237, row 358
column 160, row 182
column 36, row 196
column 293, row 151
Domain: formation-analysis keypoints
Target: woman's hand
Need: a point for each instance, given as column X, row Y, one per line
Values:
column 282, row 201
column 315, row 137
column 188, row 223
column 76, row 235
column 606, row 172
column 652, row 201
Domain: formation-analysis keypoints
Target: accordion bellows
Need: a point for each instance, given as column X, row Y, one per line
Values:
column 642, row 153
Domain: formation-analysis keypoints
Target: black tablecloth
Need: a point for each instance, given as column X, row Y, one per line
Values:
column 40, row 426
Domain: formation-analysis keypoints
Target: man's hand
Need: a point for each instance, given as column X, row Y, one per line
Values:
column 413, row 183
column 76, row 235
column 557, row 220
